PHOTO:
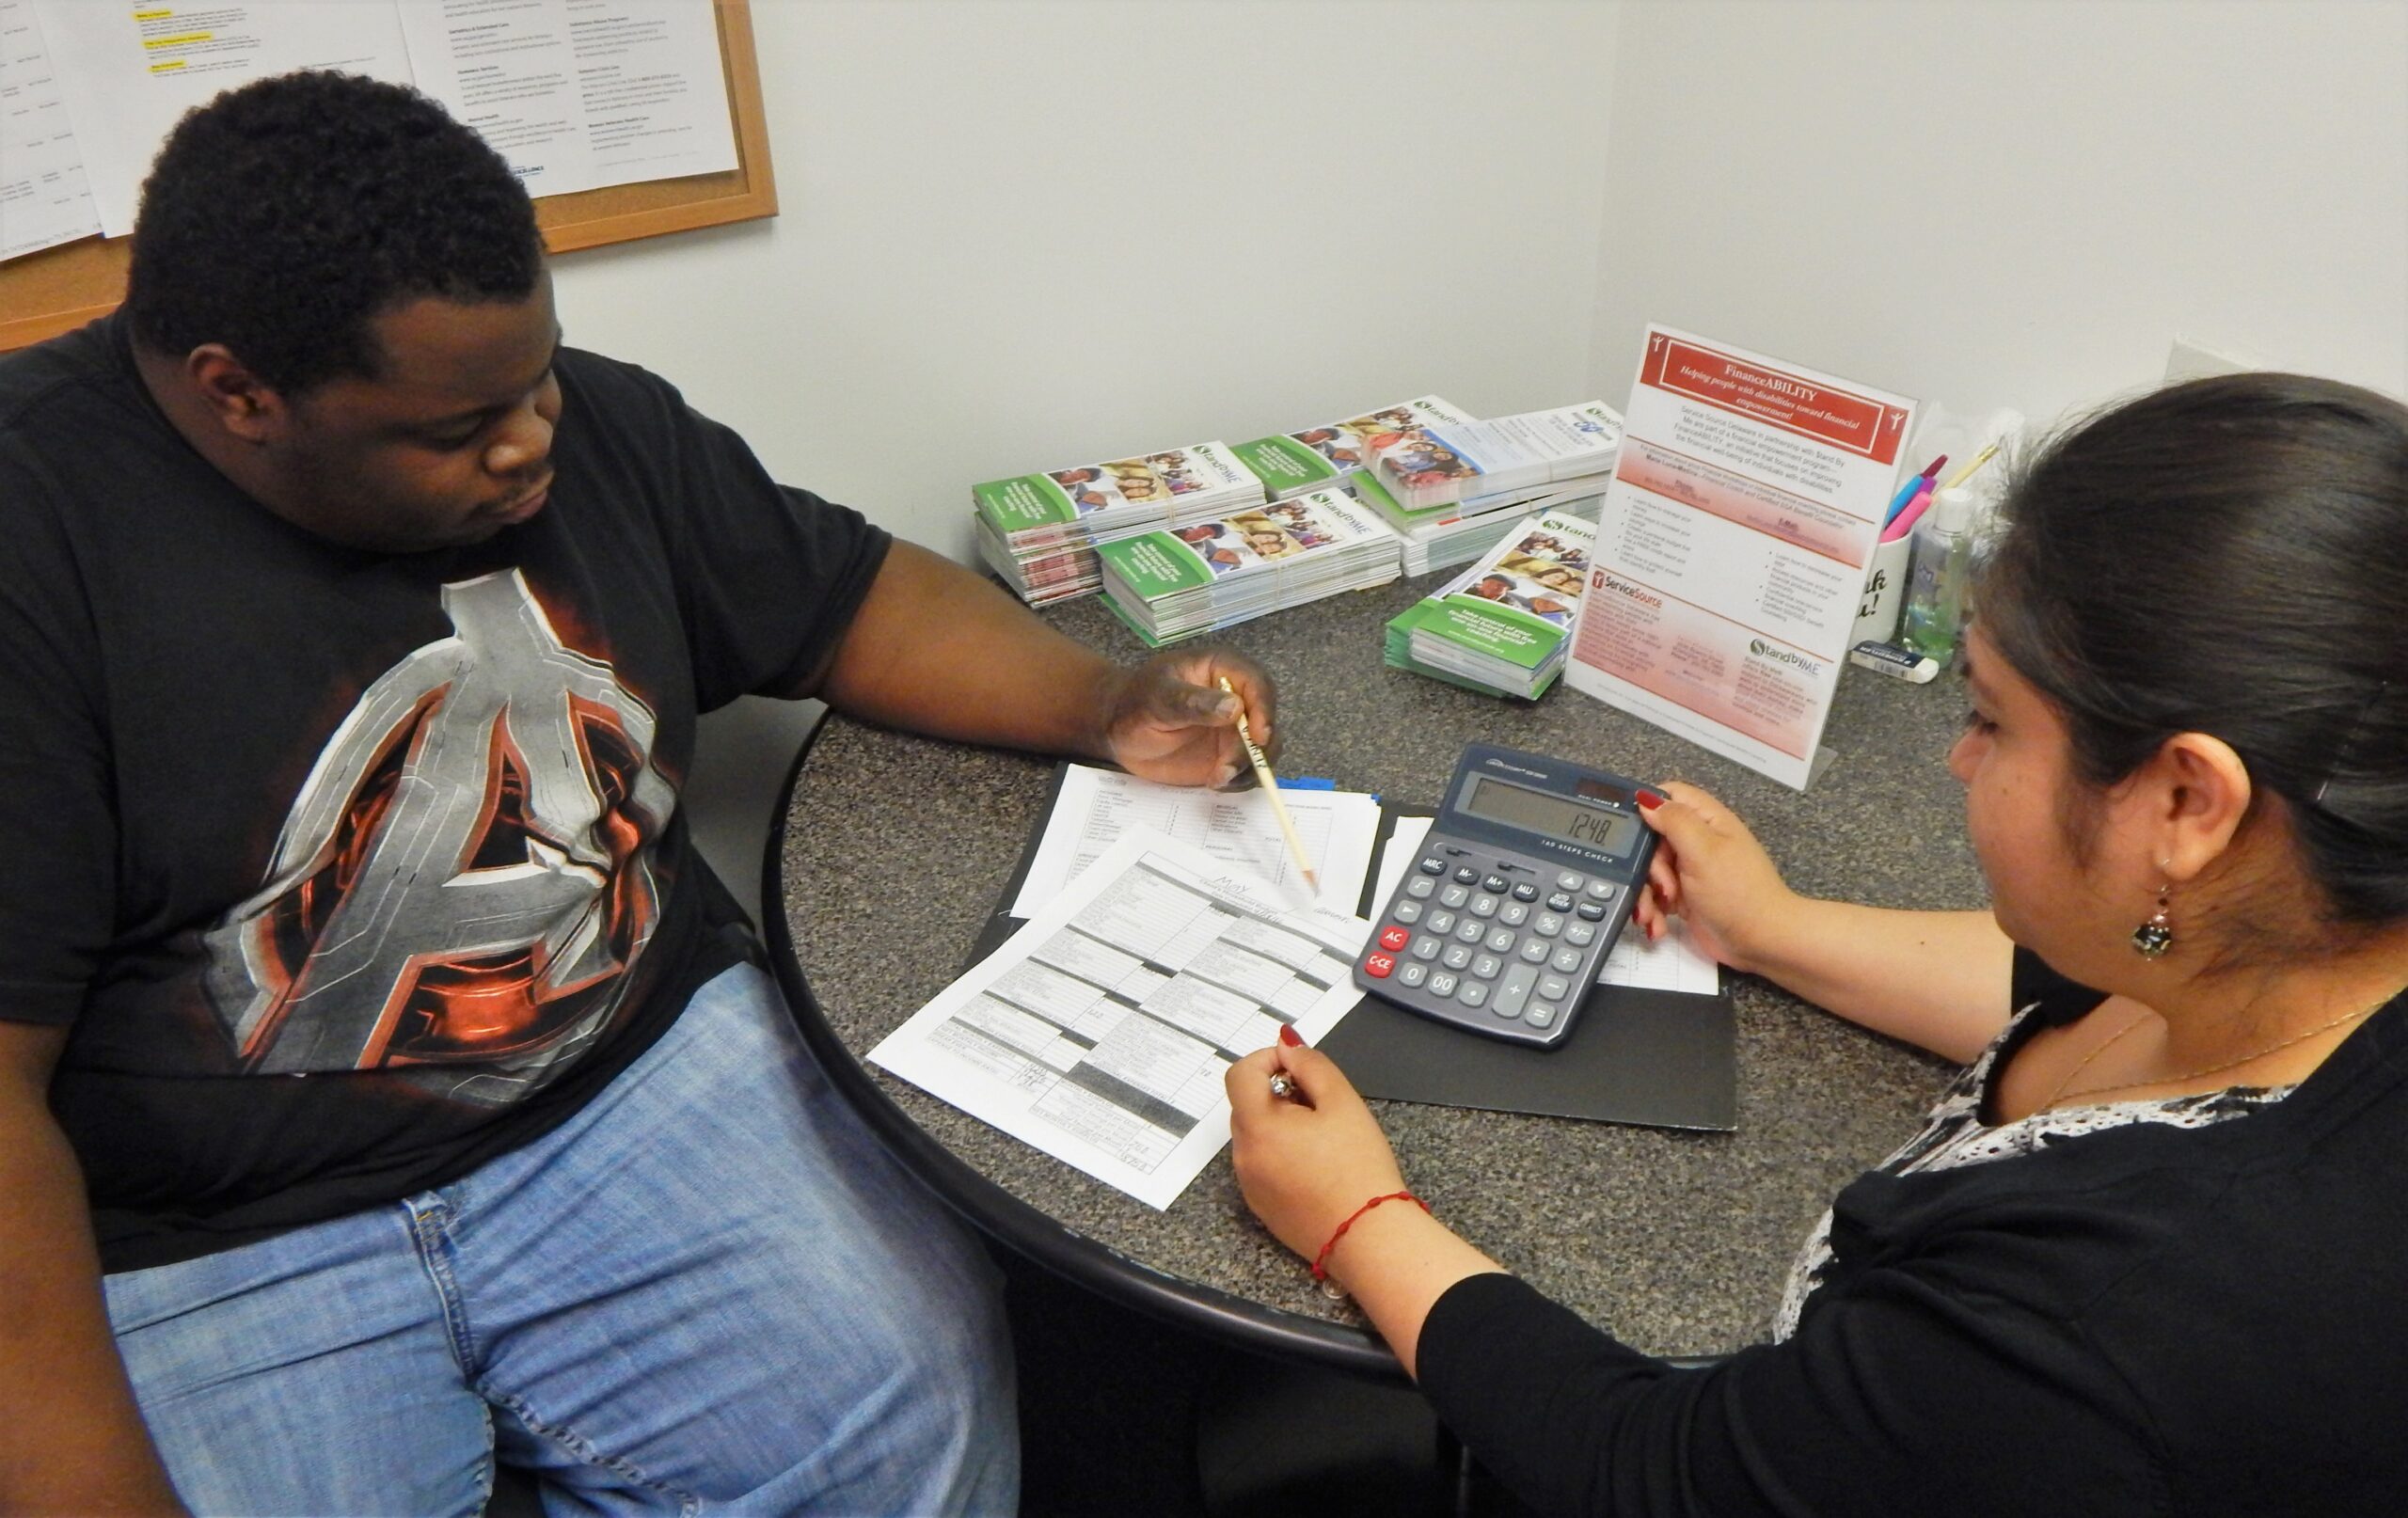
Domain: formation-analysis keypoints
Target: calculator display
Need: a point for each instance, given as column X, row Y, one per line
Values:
column 1516, row 897
column 1556, row 817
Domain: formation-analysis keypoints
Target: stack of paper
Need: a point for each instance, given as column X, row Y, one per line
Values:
column 1038, row 532
column 1450, row 462
column 1438, row 537
column 1190, row 579
column 1092, row 808
column 1331, row 454
column 1102, row 1032
column 1504, row 625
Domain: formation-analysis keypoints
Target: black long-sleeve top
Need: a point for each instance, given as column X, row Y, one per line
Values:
column 2146, row 1318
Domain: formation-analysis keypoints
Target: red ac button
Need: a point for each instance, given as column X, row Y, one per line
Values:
column 1394, row 939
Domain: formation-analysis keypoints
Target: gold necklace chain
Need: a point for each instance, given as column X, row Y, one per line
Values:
column 2060, row 1093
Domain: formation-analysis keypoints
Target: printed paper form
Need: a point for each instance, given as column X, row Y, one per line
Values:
column 129, row 72
column 43, row 199
column 1102, row 1030
column 1671, row 963
column 579, row 94
column 1096, row 806
column 1730, row 553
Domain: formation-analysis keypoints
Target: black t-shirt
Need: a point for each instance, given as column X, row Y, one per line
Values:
column 2144, row 1319
column 353, row 870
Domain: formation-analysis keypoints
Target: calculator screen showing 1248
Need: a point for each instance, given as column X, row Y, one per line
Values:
column 1524, row 882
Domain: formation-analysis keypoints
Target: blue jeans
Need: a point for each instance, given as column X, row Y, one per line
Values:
column 710, row 1291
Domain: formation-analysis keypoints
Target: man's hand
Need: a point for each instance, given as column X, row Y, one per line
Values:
column 984, row 669
column 1169, row 719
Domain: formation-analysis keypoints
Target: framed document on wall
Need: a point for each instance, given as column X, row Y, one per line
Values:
column 51, row 292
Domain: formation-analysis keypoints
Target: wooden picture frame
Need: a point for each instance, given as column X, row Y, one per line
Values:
column 61, row 288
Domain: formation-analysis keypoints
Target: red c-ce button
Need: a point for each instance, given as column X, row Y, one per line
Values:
column 1378, row 965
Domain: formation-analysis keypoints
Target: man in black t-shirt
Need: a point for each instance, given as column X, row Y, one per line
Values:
column 359, row 987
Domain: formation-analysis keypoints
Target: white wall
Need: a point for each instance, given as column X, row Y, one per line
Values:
column 1022, row 235
column 1988, row 202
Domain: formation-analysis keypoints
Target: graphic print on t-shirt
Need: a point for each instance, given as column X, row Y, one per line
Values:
column 465, row 877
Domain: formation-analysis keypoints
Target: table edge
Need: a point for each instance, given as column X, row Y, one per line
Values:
column 1006, row 1218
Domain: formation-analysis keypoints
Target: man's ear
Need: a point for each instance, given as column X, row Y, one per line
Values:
column 245, row 406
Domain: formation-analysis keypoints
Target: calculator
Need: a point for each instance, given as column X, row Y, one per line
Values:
column 1526, row 879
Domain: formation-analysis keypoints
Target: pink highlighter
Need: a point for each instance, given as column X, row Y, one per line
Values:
column 1906, row 522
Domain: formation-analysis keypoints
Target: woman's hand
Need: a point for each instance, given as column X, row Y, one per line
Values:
column 1305, row 1163
column 1935, row 979
column 1309, row 1162
column 1711, row 873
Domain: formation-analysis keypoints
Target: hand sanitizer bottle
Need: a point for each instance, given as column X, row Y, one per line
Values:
column 1943, row 554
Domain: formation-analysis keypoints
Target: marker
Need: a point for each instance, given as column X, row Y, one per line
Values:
column 1905, row 495
column 1271, row 790
column 1283, row 1085
column 1907, row 520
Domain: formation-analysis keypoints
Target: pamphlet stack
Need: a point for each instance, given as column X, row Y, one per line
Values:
column 1332, row 454
column 1504, row 625
column 1450, row 462
column 1038, row 532
column 1170, row 585
column 1438, row 537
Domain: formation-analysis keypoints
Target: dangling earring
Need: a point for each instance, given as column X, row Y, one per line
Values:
column 2153, row 938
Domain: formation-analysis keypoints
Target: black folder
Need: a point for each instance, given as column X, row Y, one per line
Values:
column 1659, row 1058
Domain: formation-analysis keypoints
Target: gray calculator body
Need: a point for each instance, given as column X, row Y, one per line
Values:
column 1518, row 893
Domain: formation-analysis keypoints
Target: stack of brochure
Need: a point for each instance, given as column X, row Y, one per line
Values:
column 1503, row 626
column 1438, row 537
column 1190, row 579
column 1038, row 532
column 1333, row 453
column 1451, row 462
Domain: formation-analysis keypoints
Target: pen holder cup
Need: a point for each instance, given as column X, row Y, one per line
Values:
column 1885, row 592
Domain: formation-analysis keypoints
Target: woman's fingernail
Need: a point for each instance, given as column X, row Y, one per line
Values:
column 1289, row 1035
column 1649, row 801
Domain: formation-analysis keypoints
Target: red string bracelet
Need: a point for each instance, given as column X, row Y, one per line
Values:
column 1321, row 1261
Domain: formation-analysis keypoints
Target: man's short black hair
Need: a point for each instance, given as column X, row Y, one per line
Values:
column 282, row 216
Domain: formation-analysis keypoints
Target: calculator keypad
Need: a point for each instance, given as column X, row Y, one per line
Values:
column 1515, row 943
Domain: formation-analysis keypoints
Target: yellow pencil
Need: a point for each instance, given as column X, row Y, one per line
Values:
column 1271, row 790
column 1978, row 460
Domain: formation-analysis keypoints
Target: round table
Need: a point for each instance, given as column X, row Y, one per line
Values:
column 890, row 852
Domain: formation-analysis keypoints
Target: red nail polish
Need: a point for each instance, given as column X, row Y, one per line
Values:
column 1289, row 1035
column 1649, row 801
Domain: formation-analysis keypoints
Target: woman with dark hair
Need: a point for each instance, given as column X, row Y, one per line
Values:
column 2147, row 1254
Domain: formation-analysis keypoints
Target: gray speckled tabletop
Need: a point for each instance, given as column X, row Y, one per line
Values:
column 1677, row 1242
